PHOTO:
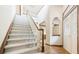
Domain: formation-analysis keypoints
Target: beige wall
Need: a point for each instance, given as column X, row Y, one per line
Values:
column 7, row 14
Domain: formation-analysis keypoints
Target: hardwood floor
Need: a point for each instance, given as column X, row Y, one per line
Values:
column 55, row 50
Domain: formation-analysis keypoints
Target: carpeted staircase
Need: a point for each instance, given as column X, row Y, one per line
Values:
column 21, row 40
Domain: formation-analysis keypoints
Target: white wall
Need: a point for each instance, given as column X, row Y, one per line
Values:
column 42, row 14
column 55, row 11
column 47, row 29
column 7, row 14
column 33, row 9
column 70, row 32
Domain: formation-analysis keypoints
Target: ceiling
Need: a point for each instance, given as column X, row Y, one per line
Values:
column 38, row 12
column 33, row 9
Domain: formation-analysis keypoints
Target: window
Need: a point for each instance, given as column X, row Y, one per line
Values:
column 56, row 26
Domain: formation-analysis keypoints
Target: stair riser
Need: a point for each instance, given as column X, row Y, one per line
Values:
column 16, row 37
column 20, row 41
column 20, row 33
column 22, row 29
column 32, row 51
column 22, row 26
column 20, row 47
column 20, row 37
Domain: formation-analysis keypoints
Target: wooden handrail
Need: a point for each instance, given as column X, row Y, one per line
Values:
column 35, row 24
column 77, row 29
column 42, row 35
column 41, row 24
column 2, row 48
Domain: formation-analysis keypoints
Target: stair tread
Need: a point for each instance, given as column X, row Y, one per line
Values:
column 22, row 50
column 15, row 45
column 21, row 26
column 20, row 34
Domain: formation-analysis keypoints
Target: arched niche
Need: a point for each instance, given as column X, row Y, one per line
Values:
column 56, row 26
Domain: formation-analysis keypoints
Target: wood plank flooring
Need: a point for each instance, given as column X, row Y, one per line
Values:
column 55, row 50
